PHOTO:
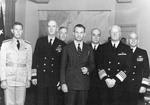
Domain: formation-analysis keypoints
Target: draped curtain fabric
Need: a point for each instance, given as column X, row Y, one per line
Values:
column 9, row 17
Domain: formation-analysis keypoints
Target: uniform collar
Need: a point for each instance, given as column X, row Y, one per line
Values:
column 116, row 43
column 133, row 49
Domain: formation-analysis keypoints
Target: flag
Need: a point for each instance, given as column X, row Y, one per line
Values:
column 2, row 33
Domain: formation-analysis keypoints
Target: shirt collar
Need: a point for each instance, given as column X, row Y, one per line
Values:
column 133, row 48
column 76, row 44
column 116, row 43
column 95, row 45
column 51, row 37
column 15, row 40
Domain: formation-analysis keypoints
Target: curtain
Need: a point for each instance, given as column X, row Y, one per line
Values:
column 9, row 17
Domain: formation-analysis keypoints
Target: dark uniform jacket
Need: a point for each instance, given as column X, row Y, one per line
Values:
column 71, row 64
column 94, row 78
column 114, row 62
column 139, row 70
column 46, row 60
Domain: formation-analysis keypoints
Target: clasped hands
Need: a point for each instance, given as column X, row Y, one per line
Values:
column 110, row 82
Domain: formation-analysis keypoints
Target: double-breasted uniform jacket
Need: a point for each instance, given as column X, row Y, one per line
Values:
column 114, row 62
column 15, row 65
column 71, row 64
column 46, row 59
column 139, row 70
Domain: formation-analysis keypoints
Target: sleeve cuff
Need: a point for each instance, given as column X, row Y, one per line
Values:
column 145, row 82
column 102, row 74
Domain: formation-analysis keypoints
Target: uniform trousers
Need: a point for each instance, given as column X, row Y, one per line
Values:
column 76, row 97
column 112, row 96
column 131, row 94
column 15, row 95
column 94, row 96
column 47, row 96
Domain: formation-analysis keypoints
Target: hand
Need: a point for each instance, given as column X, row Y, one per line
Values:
column 110, row 82
column 28, row 84
column 4, row 84
column 84, row 70
column 34, row 81
column 64, row 88
column 142, row 89
column 58, row 86
column 113, row 81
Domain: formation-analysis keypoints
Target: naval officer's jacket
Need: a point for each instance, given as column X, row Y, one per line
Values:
column 15, row 64
column 46, row 60
column 114, row 62
column 140, row 71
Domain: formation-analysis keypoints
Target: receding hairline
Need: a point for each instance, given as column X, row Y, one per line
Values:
column 93, row 29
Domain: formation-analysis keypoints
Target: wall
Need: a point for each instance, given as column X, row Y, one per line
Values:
column 137, row 12
column 30, row 15
column 20, row 10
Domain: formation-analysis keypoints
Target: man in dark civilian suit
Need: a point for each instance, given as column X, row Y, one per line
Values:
column 46, row 60
column 113, row 67
column 77, row 63
column 94, row 95
column 137, row 79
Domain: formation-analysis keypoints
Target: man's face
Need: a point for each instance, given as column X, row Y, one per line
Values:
column 17, row 31
column 96, row 36
column 63, row 34
column 115, row 33
column 52, row 27
column 79, row 33
column 133, row 40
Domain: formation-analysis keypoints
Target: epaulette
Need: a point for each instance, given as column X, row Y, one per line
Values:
column 7, row 40
column 27, row 41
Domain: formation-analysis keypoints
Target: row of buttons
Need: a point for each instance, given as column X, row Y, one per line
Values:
column 46, row 58
column 45, row 71
column 51, row 64
column 110, row 69
column 117, row 63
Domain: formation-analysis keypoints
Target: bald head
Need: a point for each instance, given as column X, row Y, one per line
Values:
column 133, row 39
column 52, row 27
column 133, row 35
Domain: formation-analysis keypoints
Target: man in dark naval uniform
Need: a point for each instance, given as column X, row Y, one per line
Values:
column 113, row 67
column 94, row 95
column 137, row 79
column 46, row 60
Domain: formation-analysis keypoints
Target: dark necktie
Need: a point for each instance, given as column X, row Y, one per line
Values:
column 50, row 42
column 114, row 45
column 132, row 50
column 95, row 48
column 18, row 44
column 79, row 48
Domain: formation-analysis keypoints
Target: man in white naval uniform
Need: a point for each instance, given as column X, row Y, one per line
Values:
column 15, row 66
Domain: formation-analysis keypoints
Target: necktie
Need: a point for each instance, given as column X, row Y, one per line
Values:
column 114, row 45
column 18, row 44
column 79, row 48
column 50, row 42
column 95, row 48
column 132, row 50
